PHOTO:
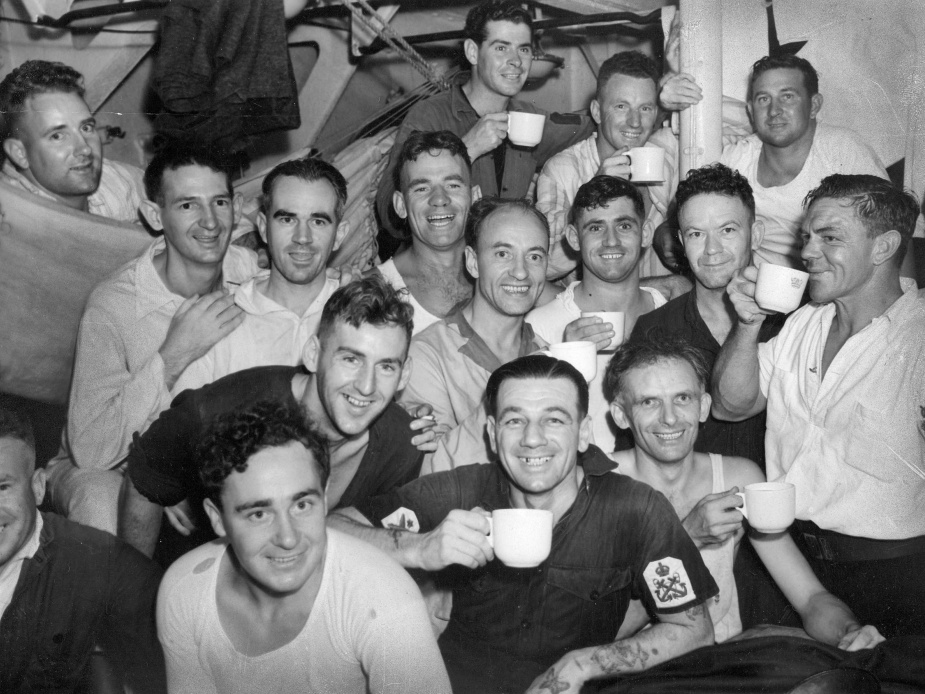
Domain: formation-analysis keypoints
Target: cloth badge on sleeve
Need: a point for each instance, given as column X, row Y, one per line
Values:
column 403, row 519
column 668, row 582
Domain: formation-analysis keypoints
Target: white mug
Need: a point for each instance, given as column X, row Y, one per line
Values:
column 646, row 164
column 525, row 129
column 581, row 354
column 770, row 507
column 617, row 320
column 779, row 288
column 521, row 537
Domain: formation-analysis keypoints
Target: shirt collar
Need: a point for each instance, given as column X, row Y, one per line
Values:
column 475, row 347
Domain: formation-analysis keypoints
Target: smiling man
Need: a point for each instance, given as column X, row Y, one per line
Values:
column 433, row 194
column 352, row 370
column 499, row 49
column 279, row 603
column 555, row 626
column 51, row 146
column 843, row 387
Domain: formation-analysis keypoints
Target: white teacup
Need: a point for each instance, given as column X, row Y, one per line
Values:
column 647, row 164
column 521, row 537
column 779, row 288
column 581, row 354
column 770, row 507
column 617, row 320
column 525, row 129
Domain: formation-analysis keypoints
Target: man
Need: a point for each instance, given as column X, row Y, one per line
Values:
column 280, row 603
column 719, row 233
column 843, row 385
column 608, row 232
column 146, row 324
column 626, row 111
column 432, row 193
column 555, row 625
column 789, row 152
column 52, row 148
column 499, row 47
column 355, row 364
column 506, row 242
column 300, row 221
column 66, row 589
column 659, row 388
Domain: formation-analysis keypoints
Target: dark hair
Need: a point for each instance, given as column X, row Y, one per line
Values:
column 535, row 366
column 237, row 435
column 649, row 349
column 431, row 141
column 31, row 78
column 785, row 62
column 629, row 63
column 879, row 205
column 176, row 154
column 717, row 179
column 494, row 11
column 484, row 208
column 371, row 300
column 308, row 169
column 14, row 425
column 602, row 190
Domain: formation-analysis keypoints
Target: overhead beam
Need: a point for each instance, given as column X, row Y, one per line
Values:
column 597, row 6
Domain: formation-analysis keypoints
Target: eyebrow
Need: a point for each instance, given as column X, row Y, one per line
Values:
column 314, row 215
column 602, row 220
column 726, row 223
column 449, row 177
column 549, row 410
column 357, row 353
column 266, row 503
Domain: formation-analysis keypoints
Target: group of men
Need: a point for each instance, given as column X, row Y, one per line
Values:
column 327, row 448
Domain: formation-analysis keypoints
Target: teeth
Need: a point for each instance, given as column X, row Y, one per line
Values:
column 537, row 461
column 670, row 437
column 514, row 290
column 611, row 256
column 357, row 403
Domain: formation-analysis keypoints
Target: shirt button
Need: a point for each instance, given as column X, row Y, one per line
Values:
column 525, row 624
column 595, row 595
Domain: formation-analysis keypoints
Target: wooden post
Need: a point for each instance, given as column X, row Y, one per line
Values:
column 702, row 56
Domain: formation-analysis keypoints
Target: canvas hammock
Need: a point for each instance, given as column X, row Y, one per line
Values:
column 51, row 257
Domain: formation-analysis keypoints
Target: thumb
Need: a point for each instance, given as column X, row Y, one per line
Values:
column 187, row 305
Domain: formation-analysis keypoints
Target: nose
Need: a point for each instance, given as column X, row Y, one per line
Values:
column 303, row 234
column 533, row 436
column 633, row 119
column 438, row 197
column 712, row 244
column 775, row 106
column 365, row 382
column 286, row 536
column 208, row 219
column 669, row 416
column 612, row 238
column 83, row 144
column 810, row 247
column 519, row 267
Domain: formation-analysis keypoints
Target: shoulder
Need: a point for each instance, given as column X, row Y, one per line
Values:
column 568, row 159
column 120, row 285
column 201, row 562
column 127, row 172
column 738, row 472
column 665, row 318
column 393, row 424
column 260, row 382
column 426, row 109
column 184, row 590
column 362, row 563
column 658, row 299
column 435, row 338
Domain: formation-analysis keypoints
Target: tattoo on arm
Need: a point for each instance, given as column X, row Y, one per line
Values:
column 552, row 683
column 620, row 657
column 395, row 534
column 694, row 613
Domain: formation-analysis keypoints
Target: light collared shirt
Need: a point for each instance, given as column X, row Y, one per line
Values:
column 571, row 168
column 271, row 335
column 853, row 442
column 118, row 196
column 119, row 386
column 9, row 572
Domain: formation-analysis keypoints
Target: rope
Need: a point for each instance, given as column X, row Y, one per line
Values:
column 376, row 24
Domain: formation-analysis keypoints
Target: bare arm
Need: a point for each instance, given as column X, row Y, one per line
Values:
column 139, row 519
column 462, row 538
column 673, row 635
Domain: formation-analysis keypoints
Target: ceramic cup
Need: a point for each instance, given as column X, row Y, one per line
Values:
column 779, row 288
column 521, row 537
column 770, row 507
column 647, row 164
column 525, row 129
column 581, row 354
column 617, row 321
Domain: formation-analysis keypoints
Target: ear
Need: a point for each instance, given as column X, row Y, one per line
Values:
column 596, row 111
column 490, row 427
column 472, row 262
column 886, row 246
column 310, row 353
column 151, row 211
column 648, row 233
column 571, row 235
column 39, row 478
column 215, row 517
column 584, row 434
column 476, row 192
column 398, row 202
column 471, row 51
column 15, row 151
column 262, row 226
column 405, row 374
column 342, row 230
column 237, row 206
column 816, row 101
column 618, row 414
column 757, row 234
column 705, row 402
column 748, row 110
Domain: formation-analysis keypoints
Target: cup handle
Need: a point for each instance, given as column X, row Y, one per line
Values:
column 490, row 536
column 743, row 509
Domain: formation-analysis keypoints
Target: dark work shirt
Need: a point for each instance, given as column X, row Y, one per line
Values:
column 162, row 462
column 681, row 317
column 82, row 588
column 509, row 625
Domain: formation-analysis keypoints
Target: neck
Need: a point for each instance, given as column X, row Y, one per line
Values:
column 595, row 294
column 295, row 297
column 496, row 329
column 312, row 405
column 604, row 148
column 855, row 312
column 558, row 500
column 668, row 478
column 790, row 158
column 446, row 261
column 713, row 304
column 187, row 279
column 482, row 99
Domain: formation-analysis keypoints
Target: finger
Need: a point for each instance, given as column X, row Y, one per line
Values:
column 187, row 305
column 229, row 325
column 423, row 437
column 426, row 422
column 177, row 525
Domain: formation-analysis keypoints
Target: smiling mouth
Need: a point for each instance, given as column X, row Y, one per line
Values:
column 302, row 256
column 669, row 437
column 286, row 561
column 440, row 220
column 535, row 461
column 207, row 239
column 515, row 289
column 357, row 403
column 612, row 256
